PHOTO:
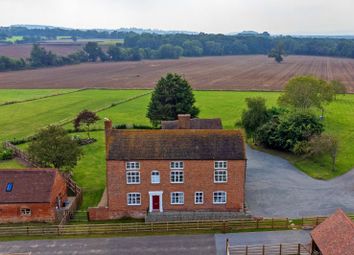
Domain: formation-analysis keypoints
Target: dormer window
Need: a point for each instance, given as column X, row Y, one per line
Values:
column 9, row 187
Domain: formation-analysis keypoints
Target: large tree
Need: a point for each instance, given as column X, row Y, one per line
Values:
column 172, row 96
column 304, row 92
column 87, row 118
column 93, row 51
column 53, row 147
column 277, row 53
column 255, row 116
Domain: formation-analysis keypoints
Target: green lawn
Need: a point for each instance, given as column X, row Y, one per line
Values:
column 25, row 118
column 9, row 164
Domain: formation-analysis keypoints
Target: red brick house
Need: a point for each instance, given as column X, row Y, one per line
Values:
column 172, row 170
column 334, row 236
column 28, row 195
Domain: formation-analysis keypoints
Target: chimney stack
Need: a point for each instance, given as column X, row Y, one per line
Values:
column 107, row 129
column 184, row 121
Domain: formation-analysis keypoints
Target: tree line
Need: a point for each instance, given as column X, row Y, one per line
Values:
column 172, row 46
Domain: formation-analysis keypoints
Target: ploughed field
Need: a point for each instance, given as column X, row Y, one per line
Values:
column 24, row 50
column 26, row 117
column 257, row 72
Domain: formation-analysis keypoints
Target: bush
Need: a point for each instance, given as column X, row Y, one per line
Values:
column 139, row 126
column 120, row 126
column 284, row 132
column 6, row 154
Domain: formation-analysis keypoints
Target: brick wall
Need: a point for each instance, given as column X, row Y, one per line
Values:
column 59, row 188
column 198, row 176
column 41, row 212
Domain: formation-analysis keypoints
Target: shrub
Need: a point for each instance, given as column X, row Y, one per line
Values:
column 120, row 126
column 6, row 154
column 284, row 132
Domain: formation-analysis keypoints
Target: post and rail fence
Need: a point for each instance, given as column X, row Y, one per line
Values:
column 267, row 249
column 204, row 226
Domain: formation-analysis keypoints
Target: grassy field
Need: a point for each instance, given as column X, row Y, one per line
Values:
column 15, row 95
column 24, row 119
column 13, row 39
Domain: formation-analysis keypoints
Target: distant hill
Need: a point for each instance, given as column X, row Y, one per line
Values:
column 133, row 29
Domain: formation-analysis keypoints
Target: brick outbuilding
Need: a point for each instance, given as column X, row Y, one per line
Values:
column 172, row 170
column 334, row 236
column 31, row 195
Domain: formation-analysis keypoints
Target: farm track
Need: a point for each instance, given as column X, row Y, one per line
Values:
column 256, row 72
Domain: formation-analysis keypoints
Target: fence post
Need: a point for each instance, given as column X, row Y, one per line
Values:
column 298, row 249
column 246, row 249
column 287, row 223
column 280, row 249
column 227, row 246
column 263, row 250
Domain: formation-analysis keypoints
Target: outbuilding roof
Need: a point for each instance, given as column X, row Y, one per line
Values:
column 178, row 144
column 28, row 185
column 335, row 236
column 194, row 124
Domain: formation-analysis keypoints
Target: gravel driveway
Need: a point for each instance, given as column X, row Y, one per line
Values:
column 275, row 188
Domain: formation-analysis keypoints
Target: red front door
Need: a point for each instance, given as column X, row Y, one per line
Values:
column 156, row 202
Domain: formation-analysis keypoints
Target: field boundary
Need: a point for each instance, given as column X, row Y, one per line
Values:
column 219, row 226
column 42, row 97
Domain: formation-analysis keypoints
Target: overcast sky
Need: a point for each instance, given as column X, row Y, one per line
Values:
column 214, row 16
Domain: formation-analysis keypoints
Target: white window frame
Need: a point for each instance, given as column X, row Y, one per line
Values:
column 132, row 165
column 130, row 172
column 157, row 176
column 26, row 211
column 178, row 202
column 218, row 173
column 202, row 198
column 173, row 174
column 134, row 198
column 219, row 203
column 220, row 164
column 176, row 165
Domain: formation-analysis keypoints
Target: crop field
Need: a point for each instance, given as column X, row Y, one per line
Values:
column 24, row 50
column 256, row 72
column 24, row 119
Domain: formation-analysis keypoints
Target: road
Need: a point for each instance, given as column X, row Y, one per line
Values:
column 153, row 245
column 147, row 245
column 275, row 188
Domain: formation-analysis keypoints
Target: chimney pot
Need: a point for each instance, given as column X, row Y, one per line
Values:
column 184, row 121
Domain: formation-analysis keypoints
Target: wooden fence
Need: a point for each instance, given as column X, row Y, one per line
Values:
column 64, row 216
column 270, row 249
column 152, row 227
column 20, row 154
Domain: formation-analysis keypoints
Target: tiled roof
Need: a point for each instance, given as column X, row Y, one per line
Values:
column 179, row 144
column 335, row 236
column 194, row 124
column 29, row 185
